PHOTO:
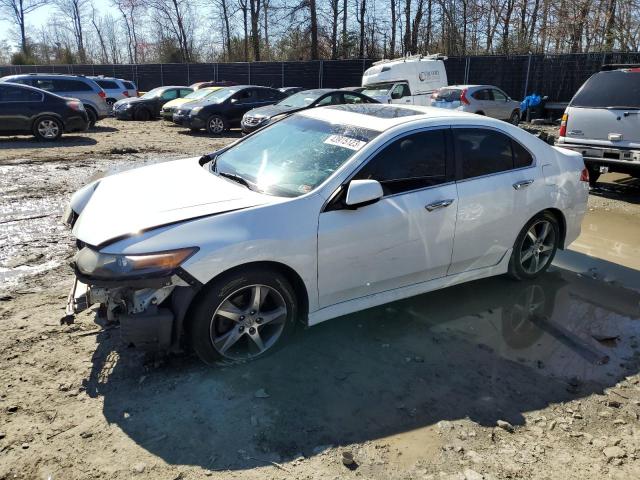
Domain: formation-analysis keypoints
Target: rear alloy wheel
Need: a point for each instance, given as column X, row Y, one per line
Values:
column 48, row 129
column 216, row 125
column 242, row 316
column 515, row 118
column 535, row 247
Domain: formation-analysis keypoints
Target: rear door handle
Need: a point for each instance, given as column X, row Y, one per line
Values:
column 522, row 184
column 439, row 204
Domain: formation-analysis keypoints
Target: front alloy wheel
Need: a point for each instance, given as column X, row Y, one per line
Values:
column 216, row 125
column 535, row 247
column 243, row 315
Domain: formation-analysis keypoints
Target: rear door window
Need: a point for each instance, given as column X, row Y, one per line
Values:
column 409, row 163
column 615, row 89
column 107, row 84
column 16, row 94
column 169, row 94
column 69, row 85
column 129, row 85
column 483, row 95
column 484, row 152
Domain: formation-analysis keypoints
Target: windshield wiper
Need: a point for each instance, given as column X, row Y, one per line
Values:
column 236, row 178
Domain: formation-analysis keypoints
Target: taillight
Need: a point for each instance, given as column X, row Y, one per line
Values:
column 563, row 126
column 75, row 105
column 125, row 93
column 101, row 94
column 463, row 97
column 584, row 175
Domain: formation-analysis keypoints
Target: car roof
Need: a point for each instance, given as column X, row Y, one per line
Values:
column 380, row 116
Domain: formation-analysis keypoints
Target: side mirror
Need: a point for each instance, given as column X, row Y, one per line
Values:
column 363, row 192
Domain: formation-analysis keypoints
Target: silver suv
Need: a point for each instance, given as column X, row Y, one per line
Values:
column 602, row 122
column 116, row 88
column 84, row 89
column 481, row 99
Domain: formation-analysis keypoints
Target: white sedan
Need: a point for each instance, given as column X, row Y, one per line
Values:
column 321, row 214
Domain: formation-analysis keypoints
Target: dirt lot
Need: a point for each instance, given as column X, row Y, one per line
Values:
column 492, row 379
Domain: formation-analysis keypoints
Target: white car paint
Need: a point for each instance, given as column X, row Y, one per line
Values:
column 348, row 260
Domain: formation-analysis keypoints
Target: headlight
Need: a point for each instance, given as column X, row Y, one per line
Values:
column 195, row 110
column 110, row 266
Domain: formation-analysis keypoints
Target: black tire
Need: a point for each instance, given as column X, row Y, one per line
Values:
column 217, row 125
column 523, row 266
column 93, row 116
column 111, row 101
column 514, row 119
column 206, row 325
column 142, row 115
column 47, row 128
column 594, row 175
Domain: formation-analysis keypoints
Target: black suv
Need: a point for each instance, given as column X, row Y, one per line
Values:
column 224, row 108
column 29, row 110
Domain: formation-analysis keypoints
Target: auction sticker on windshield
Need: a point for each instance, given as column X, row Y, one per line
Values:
column 346, row 142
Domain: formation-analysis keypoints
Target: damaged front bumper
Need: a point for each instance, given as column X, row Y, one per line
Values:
column 150, row 313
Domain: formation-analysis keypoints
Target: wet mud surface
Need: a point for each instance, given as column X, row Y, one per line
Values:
column 492, row 379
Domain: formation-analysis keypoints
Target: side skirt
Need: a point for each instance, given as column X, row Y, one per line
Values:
column 362, row 303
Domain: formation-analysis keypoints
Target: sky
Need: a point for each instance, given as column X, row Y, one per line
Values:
column 38, row 18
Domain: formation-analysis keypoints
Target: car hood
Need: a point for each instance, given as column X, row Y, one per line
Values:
column 130, row 100
column 272, row 110
column 156, row 195
column 177, row 102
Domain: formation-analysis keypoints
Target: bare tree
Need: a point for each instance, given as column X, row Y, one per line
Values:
column 17, row 10
column 75, row 11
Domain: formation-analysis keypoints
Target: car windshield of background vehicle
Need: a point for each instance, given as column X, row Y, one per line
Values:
column 293, row 156
column 153, row 93
column 617, row 89
column 301, row 99
column 221, row 95
column 378, row 90
column 203, row 92
column 448, row 95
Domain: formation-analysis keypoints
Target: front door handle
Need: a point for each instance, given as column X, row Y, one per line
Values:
column 522, row 184
column 439, row 204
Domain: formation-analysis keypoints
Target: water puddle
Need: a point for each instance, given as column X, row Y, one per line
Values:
column 33, row 197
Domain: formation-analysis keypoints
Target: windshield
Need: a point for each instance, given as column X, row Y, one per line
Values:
column 221, row 95
column 199, row 94
column 377, row 90
column 300, row 99
column 447, row 94
column 293, row 156
column 153, row 93
column 617, row 89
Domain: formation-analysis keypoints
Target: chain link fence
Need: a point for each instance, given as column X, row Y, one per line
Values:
column 557, row 76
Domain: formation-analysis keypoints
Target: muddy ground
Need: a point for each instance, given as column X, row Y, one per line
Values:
column 492, row 379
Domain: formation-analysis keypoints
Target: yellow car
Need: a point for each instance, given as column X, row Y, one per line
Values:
column 170, row 107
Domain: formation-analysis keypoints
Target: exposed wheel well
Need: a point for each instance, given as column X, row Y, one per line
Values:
column 562, row 223
column 479, row 112
column 296, row 282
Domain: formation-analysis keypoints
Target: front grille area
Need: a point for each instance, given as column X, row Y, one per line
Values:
column 252, row 121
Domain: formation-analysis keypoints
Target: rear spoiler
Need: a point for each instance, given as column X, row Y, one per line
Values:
column 617, row 66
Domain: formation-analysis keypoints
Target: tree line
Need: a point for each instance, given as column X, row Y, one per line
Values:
column 144, row 31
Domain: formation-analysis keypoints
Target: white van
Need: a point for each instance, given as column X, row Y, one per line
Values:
column 409, row 80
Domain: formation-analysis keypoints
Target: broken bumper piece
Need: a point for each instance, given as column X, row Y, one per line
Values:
column 142, row 322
